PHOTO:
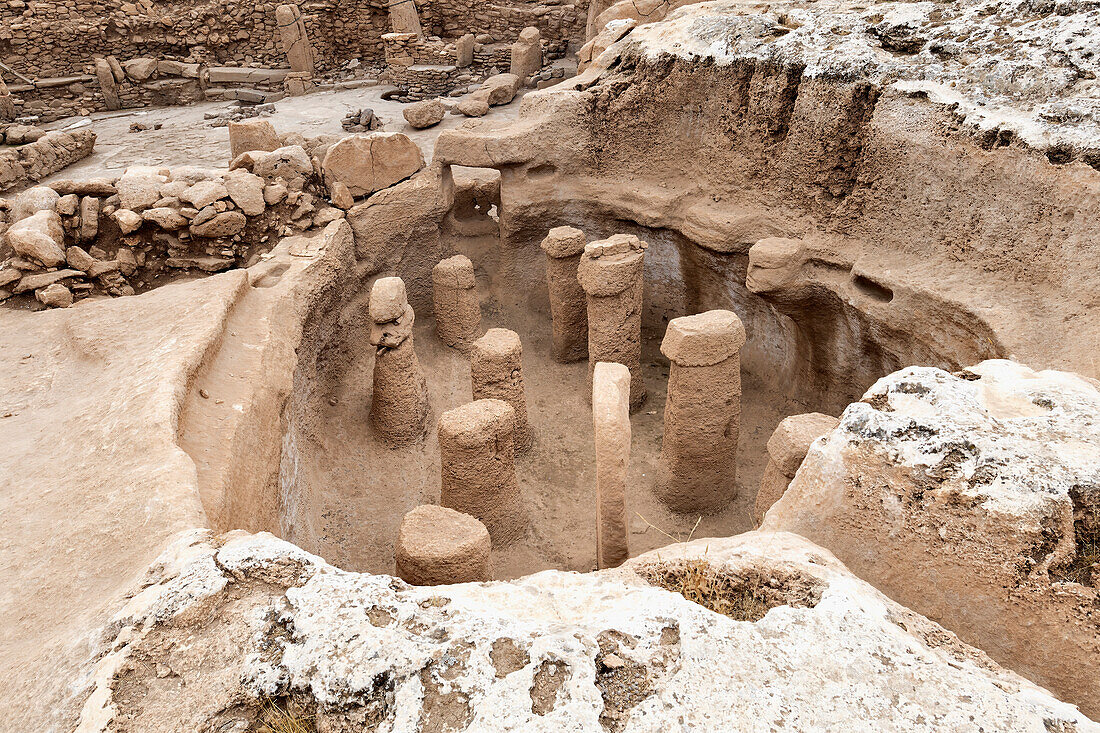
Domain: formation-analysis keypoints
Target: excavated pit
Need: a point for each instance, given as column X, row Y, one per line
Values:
column 341, row 491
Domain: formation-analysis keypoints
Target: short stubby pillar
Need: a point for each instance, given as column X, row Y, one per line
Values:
column 293, row 39
column 697, row 469
column 787, row 449
column 439, row 546
column 611, row 273
column 568, row 310
column 496, row 372
column 457, row 307
column 478, row 469
column 399, row 408
column 611, row 425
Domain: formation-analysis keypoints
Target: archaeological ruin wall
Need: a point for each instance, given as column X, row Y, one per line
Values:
column 52, row 48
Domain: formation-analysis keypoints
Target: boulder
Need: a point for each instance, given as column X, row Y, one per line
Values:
column 78, row 259
column 473, row 105
column 128, row 221
column 225, row 224
column 974, row 498
column 140, row 69
column 33, row 200
column 500, row 89
column 204, row 193
column 39, row 237
column 139, row 187
column 425, row 114
column 246, row 190
column 44, row 279
column 527, row 53
column 778, row 634
column 369, row 163
column 252, row 134
column 165, row 218
column 291, row 163
column 55, row 296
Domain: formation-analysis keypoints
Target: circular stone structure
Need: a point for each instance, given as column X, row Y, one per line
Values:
column 440, row 546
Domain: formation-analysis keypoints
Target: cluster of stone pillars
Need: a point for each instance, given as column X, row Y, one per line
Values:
column 596, row 299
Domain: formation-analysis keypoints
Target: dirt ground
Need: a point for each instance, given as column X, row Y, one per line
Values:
column 185, row 138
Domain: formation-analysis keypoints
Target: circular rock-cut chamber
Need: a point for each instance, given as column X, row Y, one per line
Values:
column 346, row 480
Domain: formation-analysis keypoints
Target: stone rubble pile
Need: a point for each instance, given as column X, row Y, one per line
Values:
column 120, row 235
column 41, row 155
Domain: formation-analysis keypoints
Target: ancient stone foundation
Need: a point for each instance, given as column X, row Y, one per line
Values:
column 568, row 309
column 399, row 408
column 457, row 307
column 439, row 546
column 478, row 470
column 786, row 449
column 611, row 425
column 698, row 464
column 496, row 372
column 610, row 272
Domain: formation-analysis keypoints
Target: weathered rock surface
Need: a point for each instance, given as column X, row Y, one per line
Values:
column 554, row 651
column 39, row 237
column 369, row 163
column 973, row 498
column 425, row 114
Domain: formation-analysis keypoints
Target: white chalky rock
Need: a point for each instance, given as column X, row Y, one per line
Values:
column 554, row 651
column 974, row 499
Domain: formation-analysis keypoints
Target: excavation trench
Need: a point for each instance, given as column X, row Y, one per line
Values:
column 283, row 442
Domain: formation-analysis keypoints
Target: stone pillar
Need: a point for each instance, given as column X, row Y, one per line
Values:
column 568, row 310
column 611, row 425
column 786, row 450
column 292, row 36
column 439, row 546
column 403, row 17
column 107, row 84
column 698, row 465
column 457, row 307
column 7, row 103
column 399, row 409
column 496, row 372
column 478, row 470
column 527, row 53
column 611, row 273
column 464, row 51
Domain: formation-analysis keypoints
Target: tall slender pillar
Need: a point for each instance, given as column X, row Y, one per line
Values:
column 292, row 37
column 697, row 469
column 399, row 409
column 478, row 469
column 611, row 426
column 496, row 372
column 611, row 273
column 568, row 310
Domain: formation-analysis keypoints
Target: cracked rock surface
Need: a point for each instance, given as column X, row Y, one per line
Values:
column 226, row 628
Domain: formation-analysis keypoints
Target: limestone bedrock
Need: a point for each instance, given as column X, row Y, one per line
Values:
column 592, row 652
column 973, row 498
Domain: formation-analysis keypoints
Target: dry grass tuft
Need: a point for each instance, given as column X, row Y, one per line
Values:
column 279, row 719
column 699, row 582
